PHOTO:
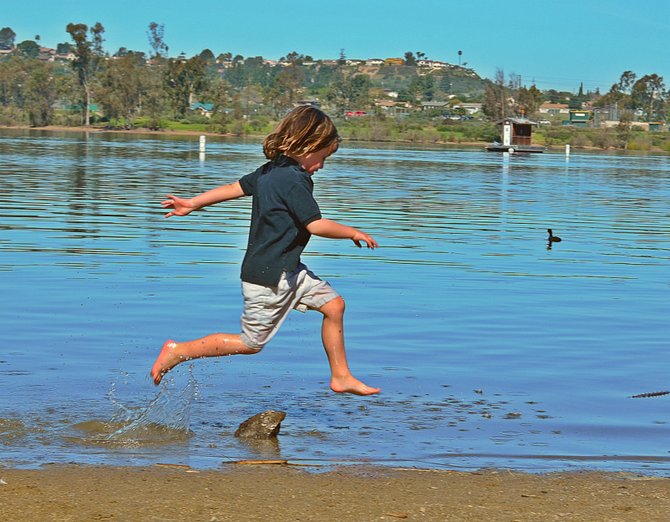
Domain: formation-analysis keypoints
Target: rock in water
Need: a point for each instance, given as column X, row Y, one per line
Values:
column 261, row 426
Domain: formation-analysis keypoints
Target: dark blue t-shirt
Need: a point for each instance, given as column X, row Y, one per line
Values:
column 283, row 206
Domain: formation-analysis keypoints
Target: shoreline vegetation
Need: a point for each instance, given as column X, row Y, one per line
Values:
column 287, row 493
column 465, row 134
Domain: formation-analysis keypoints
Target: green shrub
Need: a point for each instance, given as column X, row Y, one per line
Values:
column 641, row 143
column 579, row 140
column 10, row 116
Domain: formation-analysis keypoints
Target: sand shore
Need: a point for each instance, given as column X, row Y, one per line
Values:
column 286, row 493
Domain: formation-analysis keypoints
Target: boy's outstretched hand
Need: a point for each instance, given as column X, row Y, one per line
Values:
column 179, row 206
column 360, row 236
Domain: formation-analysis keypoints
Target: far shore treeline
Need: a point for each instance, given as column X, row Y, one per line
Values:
column 409, row 99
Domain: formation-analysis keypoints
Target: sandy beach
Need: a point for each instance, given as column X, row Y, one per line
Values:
column 288, row 493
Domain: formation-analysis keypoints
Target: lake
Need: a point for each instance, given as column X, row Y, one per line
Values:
column 493, row 348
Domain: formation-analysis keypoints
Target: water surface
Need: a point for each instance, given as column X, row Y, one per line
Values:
column 491, row 348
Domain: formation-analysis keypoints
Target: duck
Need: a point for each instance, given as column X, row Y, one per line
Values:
column 552, row 237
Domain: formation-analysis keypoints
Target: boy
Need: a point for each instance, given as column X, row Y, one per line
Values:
column 274, row 281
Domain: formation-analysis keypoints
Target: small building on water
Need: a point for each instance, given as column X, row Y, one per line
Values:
column 516, row 136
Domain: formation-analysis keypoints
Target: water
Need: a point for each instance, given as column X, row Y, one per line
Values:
column 491, row 348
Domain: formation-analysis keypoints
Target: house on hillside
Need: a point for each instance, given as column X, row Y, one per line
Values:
column 431, row 64
column 469, row 108
column 46, row 54
column 554, row 109
column 393, row 108
column 204, row 109
column 430, row 105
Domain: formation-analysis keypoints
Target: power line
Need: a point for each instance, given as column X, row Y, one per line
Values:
column 553, row 82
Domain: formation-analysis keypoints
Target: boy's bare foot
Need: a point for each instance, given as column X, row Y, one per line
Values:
column 165, row 361
column 351, row 385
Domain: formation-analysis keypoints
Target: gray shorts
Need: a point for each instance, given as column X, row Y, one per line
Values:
column 266, row 307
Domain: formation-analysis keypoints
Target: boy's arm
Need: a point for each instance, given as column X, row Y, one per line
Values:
column 334, row 230
column 184, row 206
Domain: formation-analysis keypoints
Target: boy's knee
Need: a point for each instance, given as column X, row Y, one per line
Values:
column 249, row 346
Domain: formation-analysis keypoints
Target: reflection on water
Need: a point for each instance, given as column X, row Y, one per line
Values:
column 490, row 348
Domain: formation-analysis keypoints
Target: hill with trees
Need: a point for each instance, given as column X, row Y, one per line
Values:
column 411, row 98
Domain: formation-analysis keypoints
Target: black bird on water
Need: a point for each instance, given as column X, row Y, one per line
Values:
column 552, row 238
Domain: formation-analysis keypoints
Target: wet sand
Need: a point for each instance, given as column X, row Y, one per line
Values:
column 287, row 493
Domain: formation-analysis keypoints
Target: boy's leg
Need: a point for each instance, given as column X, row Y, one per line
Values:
column 332, row 334
column 214, row 345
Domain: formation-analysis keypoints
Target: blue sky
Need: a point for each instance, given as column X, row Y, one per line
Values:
column 554, row 43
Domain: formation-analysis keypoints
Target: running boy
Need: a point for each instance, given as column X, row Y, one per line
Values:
column 284, row 215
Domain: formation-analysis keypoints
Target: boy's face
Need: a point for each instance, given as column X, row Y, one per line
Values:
column 313, row 161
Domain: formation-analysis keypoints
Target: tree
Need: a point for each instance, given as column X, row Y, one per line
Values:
column 283, row 92
column 342, row 60
column 207, row 56
column 649, row 95
column 13, row 76
column 528, row 100
column 495, row 98
column 409, row 58
column 156, row 35
column 351, row 92
column 121, row 87
column 153, row 100
column 64, row 48
column 28, row 48
column 619, row 94
column 221, row 95
column 419, row 88
column 294, row 58
column 88, row 54
column 7, row 37
column 40, row 94
column 626, row 82
column 183, row 79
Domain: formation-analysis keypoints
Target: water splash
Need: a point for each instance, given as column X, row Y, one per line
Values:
column 165, row 419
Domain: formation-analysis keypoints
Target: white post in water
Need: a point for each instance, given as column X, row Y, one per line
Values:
column 567, row 150
column 203, row 142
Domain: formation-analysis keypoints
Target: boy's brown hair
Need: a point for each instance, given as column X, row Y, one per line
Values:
column 303, row 130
